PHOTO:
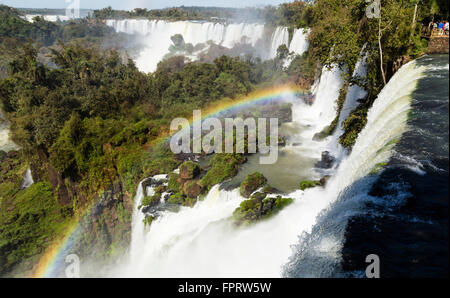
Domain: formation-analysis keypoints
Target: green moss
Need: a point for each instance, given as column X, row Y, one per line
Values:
column 177, row 198
column 309, row 184
column 173, row 184
column 148, row 220
column 150, row 201
column 353, row 125
column 223, row 166
column 181, row 199
column 257, row 208
column 378, row 168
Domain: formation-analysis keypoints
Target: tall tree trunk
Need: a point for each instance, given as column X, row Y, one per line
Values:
column 415, row 16
column 381, row 52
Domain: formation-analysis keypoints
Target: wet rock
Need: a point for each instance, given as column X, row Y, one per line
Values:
column 324, row 180
column 326, row 162
column 151, row 183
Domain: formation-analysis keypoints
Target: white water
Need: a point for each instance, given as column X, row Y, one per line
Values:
column 323, row 110
column 354, row 93
column 299, row 44
column 279, row 37
column 156, row 37
column 317, row 253
column 201, row 242
column 5, row 143
column 27, row 179
column 49, row 18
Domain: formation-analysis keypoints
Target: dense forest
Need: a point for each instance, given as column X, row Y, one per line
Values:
column 87, row 119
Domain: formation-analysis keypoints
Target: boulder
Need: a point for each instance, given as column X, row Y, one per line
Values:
column 189, row 170
column 192, row 188
column 252, row 183
column 326, row 162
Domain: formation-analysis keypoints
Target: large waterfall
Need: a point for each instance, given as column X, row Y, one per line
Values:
column 202, row 242
column 156, row 37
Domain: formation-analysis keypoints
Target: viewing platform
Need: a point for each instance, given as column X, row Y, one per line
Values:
column 438, row 42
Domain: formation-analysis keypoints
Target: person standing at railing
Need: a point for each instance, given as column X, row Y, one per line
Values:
column 440, row 28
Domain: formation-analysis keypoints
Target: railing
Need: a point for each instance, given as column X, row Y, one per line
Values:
column 429, row 32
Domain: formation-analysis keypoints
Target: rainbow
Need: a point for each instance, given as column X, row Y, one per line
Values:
column 53, row 260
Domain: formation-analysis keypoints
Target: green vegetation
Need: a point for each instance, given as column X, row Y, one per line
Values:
column 353, row 126
column 223, row 166
column 339, row 30
column 309, row 184
column 189, row 170
column 258, row 208
column 90, row 124
column 30, row 220
column 148, row 220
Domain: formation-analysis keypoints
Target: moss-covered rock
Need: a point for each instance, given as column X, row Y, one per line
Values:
column 181, row 199
column 353, row 125
column 150, row 201
column 258, row 208
column 148, row 220
column 177, row 198
column 173, row 184
column 252, row 183
column 192, row 188
column 189, row 170
column 223, row 166
column 309, row 184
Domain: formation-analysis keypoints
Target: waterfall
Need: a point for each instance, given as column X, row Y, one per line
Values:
column 202, row 242
column 299, row 43
column 317, row 253
column 323, row 110
column 49, row 18
column 156, row 35
column 27, row 179
column 279, row 37
column 354, row 93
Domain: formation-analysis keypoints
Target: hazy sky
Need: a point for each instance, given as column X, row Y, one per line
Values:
column 126, row 4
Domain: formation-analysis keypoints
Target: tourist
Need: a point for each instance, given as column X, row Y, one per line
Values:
column 440, row 28
column 446, row 28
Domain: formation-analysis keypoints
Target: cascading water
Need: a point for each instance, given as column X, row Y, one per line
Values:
column 202, row 242
column 323, row 110
column 279, row 37
column 27, row 179
column 156, row 36
column 354, row 93
column 318, row 252
column 299, row 43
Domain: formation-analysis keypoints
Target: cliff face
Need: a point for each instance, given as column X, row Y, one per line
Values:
column 438, row 45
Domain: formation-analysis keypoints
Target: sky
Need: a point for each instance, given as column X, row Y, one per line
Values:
column 128, row 5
